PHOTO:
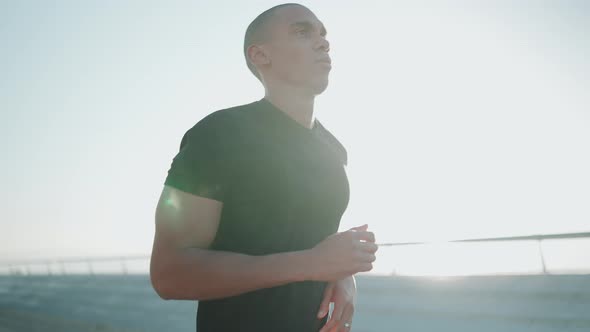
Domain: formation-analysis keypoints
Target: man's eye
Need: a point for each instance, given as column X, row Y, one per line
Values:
column 302, row 32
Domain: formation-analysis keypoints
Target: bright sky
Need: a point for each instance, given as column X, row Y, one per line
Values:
column 460, row 120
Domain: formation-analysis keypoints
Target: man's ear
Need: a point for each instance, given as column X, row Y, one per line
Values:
column 258, row 55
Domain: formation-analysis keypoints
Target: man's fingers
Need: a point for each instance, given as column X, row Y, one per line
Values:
column 335, row 319
column 329, row 325
column 346, row 318
column 360, row 228
column 325, row 305
column 368, row 247
column 368, row 258
column 364, row 236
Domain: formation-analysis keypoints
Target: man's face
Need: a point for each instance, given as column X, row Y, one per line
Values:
column 298, row 49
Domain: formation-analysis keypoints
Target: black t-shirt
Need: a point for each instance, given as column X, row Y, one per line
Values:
column 283, row 188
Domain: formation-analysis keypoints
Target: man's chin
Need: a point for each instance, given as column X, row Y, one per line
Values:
column 319, row 88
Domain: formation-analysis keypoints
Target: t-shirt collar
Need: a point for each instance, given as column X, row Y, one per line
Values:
column 283, row 117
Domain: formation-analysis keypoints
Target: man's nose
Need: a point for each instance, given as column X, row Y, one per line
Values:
column 324, row 44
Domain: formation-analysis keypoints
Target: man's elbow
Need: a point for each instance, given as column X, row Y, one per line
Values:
column 162, row 277
column 168, row 283
column 160, row 283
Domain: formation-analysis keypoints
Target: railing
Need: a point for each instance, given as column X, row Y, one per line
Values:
column 539, row 238
column 24, row 266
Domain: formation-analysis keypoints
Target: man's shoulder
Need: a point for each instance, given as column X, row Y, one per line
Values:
column 222, row 125
column 225, row 118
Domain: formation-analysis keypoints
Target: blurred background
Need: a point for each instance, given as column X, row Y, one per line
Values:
column 462, row 120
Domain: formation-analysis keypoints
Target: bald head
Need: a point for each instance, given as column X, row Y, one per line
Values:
column 286, row 47
column 259, row 32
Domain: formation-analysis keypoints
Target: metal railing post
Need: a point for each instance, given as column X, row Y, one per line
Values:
column 542, row 256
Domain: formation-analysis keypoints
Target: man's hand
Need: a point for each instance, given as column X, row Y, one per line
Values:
column 341, row 255
column 343, row 293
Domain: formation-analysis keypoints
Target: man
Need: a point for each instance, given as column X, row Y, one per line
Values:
column 247, row 221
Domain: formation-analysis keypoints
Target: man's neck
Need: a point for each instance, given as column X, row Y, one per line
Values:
column 298, row 106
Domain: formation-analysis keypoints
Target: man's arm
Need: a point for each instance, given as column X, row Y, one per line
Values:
column 182, row 267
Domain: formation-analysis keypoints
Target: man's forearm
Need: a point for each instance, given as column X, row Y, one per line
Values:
column 199, row 274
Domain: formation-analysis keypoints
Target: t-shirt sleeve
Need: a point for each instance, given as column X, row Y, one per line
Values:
column 202, row 165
